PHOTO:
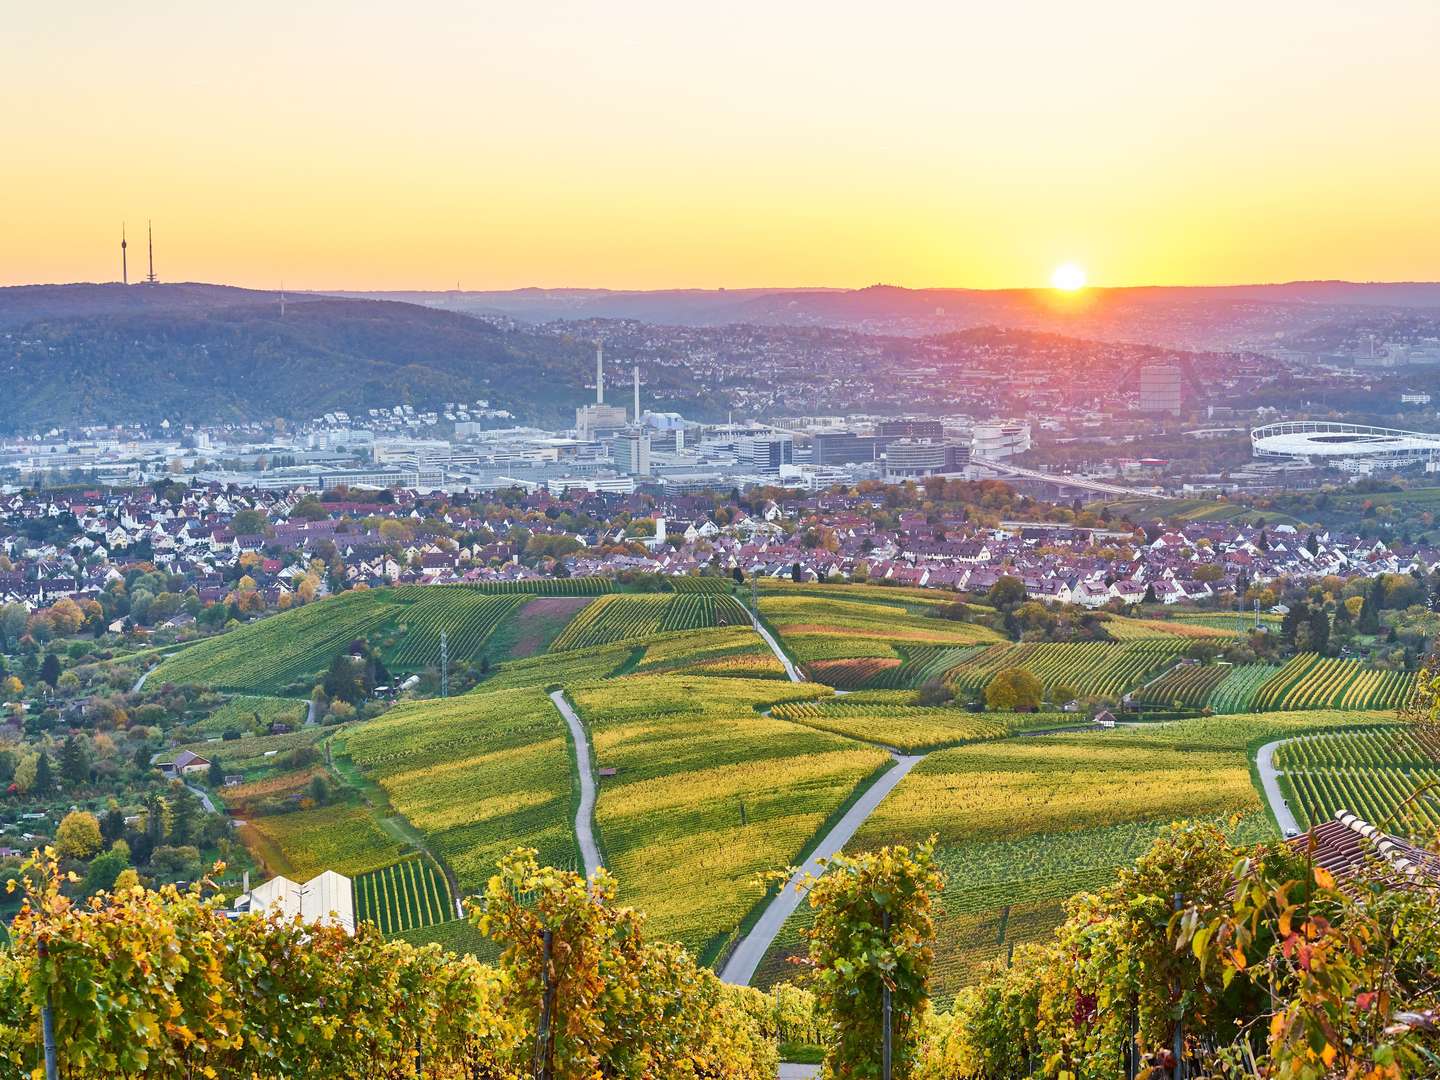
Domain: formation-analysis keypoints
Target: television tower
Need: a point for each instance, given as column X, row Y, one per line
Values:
column 150, row 278
column 124, row 261
column 599, row 373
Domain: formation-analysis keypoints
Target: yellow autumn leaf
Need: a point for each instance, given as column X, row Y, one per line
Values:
column 1324, row 878
column 1328, row 1055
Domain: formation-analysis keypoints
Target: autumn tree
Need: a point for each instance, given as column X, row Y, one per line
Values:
column 1014, row 690
column 78, row 836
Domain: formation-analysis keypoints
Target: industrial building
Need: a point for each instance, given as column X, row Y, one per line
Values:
column 1000, row 439
column 841, row 448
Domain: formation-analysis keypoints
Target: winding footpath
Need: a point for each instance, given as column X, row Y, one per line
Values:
column 140, row 682
column 740, row 967
column 1270, row 781
column 585, row 814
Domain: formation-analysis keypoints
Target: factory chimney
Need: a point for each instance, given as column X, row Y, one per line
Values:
column 599, row 373
column 637, row 395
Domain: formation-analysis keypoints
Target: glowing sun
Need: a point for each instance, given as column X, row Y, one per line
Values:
column 1068, row 277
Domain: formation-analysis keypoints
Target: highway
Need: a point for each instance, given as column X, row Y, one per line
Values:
column 1097, row 486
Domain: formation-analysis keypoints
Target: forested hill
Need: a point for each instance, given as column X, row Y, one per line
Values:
column 208, row 354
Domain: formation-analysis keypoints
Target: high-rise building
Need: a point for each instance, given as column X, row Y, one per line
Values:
column 632, row 451
column 910, row 429
column 841, row 448
column 1160, row 389
column 765, row 453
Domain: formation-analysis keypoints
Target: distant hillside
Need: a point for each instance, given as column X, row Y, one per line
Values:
column 99, row 354
column 1196, row 317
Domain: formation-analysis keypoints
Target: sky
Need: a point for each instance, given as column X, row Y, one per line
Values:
column 359, row 144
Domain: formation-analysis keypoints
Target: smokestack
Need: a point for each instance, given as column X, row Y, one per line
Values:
column 637, row 394
column 599, row 373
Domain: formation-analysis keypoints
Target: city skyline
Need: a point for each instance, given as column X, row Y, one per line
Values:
column 654, row 148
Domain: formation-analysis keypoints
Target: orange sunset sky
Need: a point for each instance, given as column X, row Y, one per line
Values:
column 358, row 144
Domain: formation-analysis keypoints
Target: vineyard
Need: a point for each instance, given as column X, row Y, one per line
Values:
column 467, row 617
column 921, row 664
column 404, row 896
column 345, row 838
column 1370, row 773
column 575, row 586
column 1235, row 692
column 293, row 647
column 689, row 584
column 1094, row 668
column 1189, row 684
column 476, row 774
column 708, row 792
column 622, row 618
column 908, row 728
column 1311, row 682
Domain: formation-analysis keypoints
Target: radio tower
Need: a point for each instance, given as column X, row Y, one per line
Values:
column 124, row 262
column 150, row 278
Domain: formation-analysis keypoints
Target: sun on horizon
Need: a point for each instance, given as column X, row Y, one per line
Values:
column 1068, row 277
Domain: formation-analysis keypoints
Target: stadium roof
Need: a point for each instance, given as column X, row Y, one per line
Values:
column 1321, row 438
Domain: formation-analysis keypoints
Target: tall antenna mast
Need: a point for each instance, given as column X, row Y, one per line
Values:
column 124, row 260
column 150, row 278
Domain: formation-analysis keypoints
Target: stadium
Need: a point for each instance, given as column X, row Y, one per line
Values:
column 1346, row 446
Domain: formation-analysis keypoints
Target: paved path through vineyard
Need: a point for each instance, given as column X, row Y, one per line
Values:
column 589, row 851
column 790, row 668
column 1270, row 781
column 740, row 967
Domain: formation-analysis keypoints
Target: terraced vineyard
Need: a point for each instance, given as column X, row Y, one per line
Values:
column 579, row 586
column 1189, row 684
column 1099, row 668
column 1236, row 692
column 1370, row 773
column 475, row 774
column 854, row 672
column 708, row 792
column 271, row 655
column 688, row 584
column 468, row 617
column 621, row 618
column 1311, row 682
column 1234, row 623
column 404, row 896
column 913, row 729
column 923, row 663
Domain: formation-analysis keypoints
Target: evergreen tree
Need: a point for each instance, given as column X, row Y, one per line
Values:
column 154, row 820
column 50, row 669
column 1369, row 621
column 1320, row 630
column 1150, row 596
column 74, row 761
column 1263, row 543
column 1312, row 544
column 182, row 817
column 112, row 825
column 44, row 780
